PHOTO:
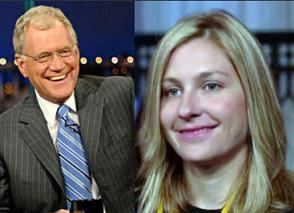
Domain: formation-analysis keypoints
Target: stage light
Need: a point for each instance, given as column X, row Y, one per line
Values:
column 99, row 60
column 114, row 60
column 84, row 60
column 3, row 61
column 130, row 59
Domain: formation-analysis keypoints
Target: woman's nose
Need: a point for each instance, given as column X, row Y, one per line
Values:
column 189, row 106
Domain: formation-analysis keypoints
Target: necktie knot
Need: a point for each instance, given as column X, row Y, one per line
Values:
column 62, row 111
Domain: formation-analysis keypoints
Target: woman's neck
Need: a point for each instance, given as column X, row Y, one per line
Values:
column 209, row 184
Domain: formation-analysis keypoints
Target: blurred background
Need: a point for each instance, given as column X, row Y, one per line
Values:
column 271, row 21
column 105, row 31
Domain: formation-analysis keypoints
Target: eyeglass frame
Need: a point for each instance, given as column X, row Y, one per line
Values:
column 58, row 53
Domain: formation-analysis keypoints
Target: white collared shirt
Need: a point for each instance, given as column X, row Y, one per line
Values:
column 49, row 110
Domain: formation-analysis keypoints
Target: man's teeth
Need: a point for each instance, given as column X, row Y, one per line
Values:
column 56, row 78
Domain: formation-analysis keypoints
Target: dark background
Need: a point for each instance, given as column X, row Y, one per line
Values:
column 104, row 28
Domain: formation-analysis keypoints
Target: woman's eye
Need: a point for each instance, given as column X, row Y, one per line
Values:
column 173, row 92
column 211, row 86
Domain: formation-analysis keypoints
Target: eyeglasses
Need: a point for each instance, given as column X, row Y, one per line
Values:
column 46, row 56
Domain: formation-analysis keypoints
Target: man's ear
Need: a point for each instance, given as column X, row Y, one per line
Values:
column 78, row 52
column 20, row 62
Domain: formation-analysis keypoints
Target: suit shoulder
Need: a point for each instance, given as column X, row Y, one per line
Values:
column 98, row 81
column 105, row 85
column 118, row 87
column 118, row 83
column 12, row 112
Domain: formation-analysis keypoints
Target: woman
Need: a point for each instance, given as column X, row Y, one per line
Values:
column 212, row 136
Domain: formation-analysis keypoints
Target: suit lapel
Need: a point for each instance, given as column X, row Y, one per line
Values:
column 90, row 108
column 35, row 133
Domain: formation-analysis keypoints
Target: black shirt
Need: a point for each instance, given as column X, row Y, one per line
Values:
column 193, row 209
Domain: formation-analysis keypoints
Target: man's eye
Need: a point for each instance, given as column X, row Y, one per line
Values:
column 43, row 56
column 65, row 53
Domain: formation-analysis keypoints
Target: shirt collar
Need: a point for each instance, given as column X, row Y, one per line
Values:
column 49, row 109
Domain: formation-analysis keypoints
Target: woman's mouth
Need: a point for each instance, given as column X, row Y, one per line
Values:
column 195, row 134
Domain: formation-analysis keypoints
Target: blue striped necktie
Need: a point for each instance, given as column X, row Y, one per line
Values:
column 72, row 158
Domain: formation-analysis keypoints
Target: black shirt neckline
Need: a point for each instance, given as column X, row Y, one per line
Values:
column 194, row 209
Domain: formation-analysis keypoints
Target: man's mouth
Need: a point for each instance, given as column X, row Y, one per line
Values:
column 57, row 78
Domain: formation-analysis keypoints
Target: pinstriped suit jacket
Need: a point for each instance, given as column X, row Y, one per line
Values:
column 30, row 174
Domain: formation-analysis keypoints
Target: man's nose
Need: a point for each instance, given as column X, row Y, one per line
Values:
column 57, row 62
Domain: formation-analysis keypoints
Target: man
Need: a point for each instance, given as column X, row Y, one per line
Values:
column 32, row 173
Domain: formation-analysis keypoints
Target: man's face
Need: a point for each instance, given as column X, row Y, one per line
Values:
column 56, row 78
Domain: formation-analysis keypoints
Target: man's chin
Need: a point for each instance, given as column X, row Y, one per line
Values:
column 58, row 98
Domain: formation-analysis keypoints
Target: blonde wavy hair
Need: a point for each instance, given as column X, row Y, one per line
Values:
column 266, row 186
column 43, row 17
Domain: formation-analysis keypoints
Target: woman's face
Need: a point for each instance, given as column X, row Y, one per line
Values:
column 203, row 109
